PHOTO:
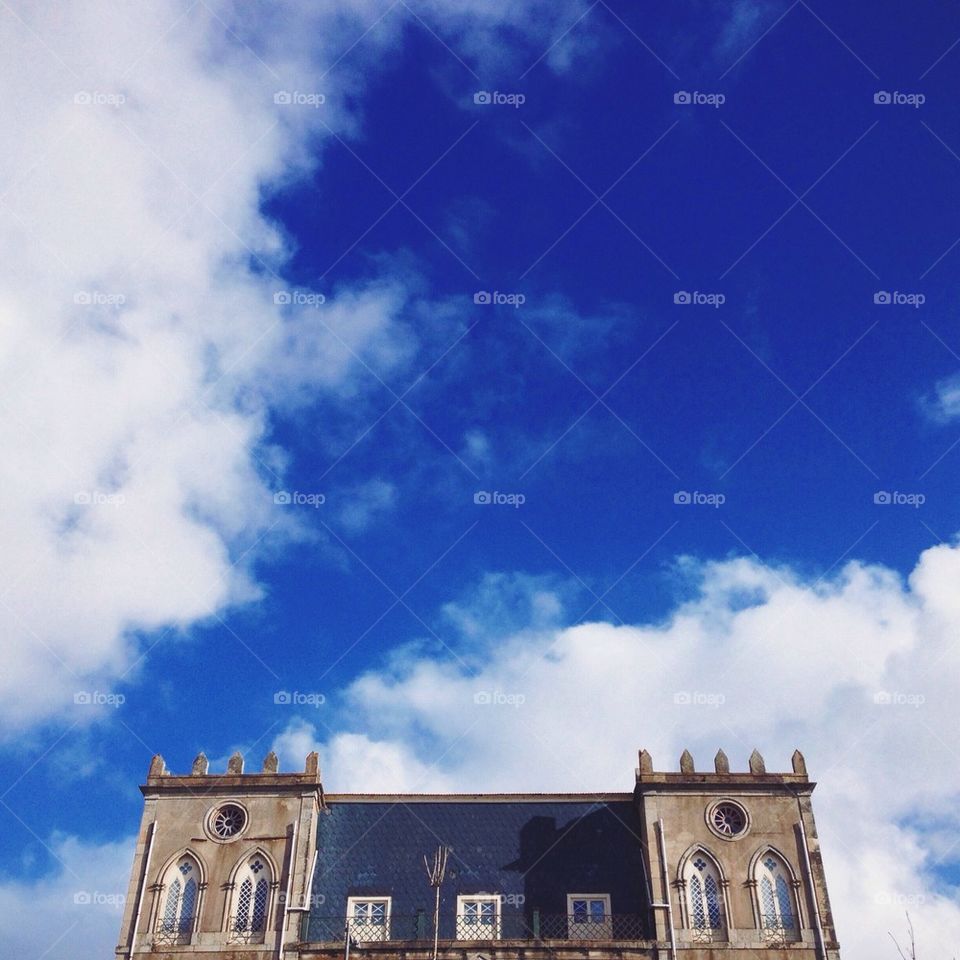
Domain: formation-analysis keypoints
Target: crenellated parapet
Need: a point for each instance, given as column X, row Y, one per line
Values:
column 200, row 777
column 755, row 776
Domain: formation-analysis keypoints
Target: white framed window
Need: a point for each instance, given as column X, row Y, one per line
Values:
column 178, row 907
column 778, row 913
column 705, row 908
column 588, row 916
column 478, row 917
column 368, row 918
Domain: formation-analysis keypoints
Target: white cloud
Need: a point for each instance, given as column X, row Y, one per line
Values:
column 141, row 348
column 860, row 671
column 944, row 405
column 75, row 910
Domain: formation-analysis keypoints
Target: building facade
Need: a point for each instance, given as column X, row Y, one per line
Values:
column 690, row 865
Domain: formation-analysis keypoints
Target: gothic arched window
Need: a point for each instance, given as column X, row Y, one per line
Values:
column 778, row 914
column 704, row 897
column 251, row 899
column 179, row 893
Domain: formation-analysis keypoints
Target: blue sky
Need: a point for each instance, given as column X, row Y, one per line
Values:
column 598, row 399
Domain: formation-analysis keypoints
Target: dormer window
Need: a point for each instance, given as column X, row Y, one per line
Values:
column 588, row 916
column 478, row 917
column 368, row 918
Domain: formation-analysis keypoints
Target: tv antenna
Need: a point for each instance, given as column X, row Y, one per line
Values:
column 435, row 874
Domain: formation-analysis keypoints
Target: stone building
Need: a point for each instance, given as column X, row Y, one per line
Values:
column 690, row 864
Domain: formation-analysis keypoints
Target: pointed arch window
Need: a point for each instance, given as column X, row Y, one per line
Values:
column 778, row 913
column 705, row 907
column 251, row 900
column 179, row 894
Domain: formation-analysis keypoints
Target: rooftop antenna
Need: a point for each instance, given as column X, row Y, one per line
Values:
column 435, row 875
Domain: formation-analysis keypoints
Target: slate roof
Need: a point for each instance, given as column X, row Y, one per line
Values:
column 532, row 852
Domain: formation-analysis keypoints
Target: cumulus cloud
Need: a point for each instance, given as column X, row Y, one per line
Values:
column 146, row 334
column 860, row 671
column 76, row 910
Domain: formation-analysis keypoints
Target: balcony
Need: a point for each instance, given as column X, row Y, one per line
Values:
column 245, row 930
column 535, row 926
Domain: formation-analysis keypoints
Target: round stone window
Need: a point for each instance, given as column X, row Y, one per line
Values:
column 727, row 819
column 227, row 821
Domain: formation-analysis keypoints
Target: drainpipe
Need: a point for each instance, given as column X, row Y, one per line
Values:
column 286, row 899
column 817, row 925
column 143, row 883
column 666, row 886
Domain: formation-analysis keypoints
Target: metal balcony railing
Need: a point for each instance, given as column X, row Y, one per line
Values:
column 708, row 934
column 173, row 933
column 245, row 930
column 508, row 926
column 776, row 933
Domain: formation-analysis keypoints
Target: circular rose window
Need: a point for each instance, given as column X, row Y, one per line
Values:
column 227, row 821
column 727, row 819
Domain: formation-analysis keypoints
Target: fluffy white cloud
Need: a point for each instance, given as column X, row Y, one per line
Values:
column 860, row 671
column 145, row 338
column 73, row 912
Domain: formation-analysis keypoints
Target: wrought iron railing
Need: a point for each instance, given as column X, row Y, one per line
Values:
column 707, row 934
column 173, row 934
column 776, row 933
column 245, row 930
column 532, row 925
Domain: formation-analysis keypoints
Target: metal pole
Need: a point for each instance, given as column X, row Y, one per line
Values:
column 143, row 883
column 436, row 924
column 813, row 890
column 286, row 899
column 666, row 889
